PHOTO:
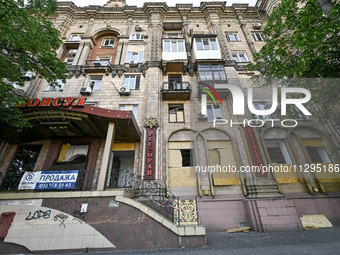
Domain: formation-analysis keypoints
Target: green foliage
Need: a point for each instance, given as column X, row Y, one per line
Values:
column 28, row 42
column 302, row 42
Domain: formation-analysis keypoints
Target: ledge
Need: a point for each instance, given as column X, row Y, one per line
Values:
column 60, row 194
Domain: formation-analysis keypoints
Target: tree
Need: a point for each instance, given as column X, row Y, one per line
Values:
column 28, row 42
column 303, row 42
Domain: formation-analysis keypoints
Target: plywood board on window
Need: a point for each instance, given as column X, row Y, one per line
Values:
column 180, row 177
column 288, row 177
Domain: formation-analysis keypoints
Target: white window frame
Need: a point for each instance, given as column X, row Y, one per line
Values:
column 206, row 44
column 135, row 56
column 134, row 109
column 175, row 112
column 217, row 74
column 173, row 45
column 75, row 37
column 137, row 36
column 232, row 37
column 58, row 89
column 238, row 56
column 132, row 81
column 279, row 144
column 258, row 36
column 216, row 111
column 98, row 82
column 111, row 45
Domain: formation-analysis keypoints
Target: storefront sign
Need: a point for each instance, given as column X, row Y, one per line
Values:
column 55, row 102
column 255, row 151
column 151, row 125
column 150, row 154
column 45, row 180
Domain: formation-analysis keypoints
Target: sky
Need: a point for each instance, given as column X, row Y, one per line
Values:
column 139, row 3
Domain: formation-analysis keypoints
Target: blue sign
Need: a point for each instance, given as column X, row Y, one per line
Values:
column 57, row 180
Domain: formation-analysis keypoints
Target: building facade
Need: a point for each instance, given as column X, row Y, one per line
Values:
column 141, row 147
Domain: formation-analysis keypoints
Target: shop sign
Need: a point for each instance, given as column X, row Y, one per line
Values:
column 45, row 180
column 151, row 125
column 255, row 151
column 55, row 102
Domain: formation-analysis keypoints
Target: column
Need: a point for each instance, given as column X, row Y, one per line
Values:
column 106, row 157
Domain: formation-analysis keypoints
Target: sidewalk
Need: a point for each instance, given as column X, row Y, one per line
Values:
column 324, row 241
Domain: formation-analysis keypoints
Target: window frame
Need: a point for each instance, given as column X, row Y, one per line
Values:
column 207, row 42
column 97, row 81
column 133, row 37
column 213, row 111
column 258, row 36
column 175, row 113
column 238, row 57
column 135, row 85
column 78, row 37
column 129, row 58
column 218, row 68
column 56, row 89
column 109, row 45
column 171, row 43
column 283, row 148
column 134, row 109
column 261, row 106
column 230, row 39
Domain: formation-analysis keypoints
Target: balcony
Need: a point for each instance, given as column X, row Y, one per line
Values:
column 176, row 90
column 95, row 66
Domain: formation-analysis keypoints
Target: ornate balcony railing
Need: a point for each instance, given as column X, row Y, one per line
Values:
column 154, row 194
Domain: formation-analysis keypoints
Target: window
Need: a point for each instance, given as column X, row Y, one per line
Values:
column 176, row 113
column 108, row 42
column 121, row 169
column 77, row 152
column 232, row 37
column 186, row 157
column 206, row 44
column 72, row 52
column 75, row 37
column 211, row 72
column 260, row 106
column 172, row 35
column 173, row 46
column 135, row 54
column 175, row 82
column 24, row 161
column 258, row 37
column 102, row 61
column 95, row 82
column 132, row 81
column 278, row 152
column 214, row 112
column 133, row 108
column 137, row 36
column 69, row 61
column 60, row 83
column 316, row 150
column 240, row 56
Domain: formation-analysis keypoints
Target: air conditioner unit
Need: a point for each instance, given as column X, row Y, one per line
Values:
column 256, row 25
column 125, row 90
column 86, row 91
column 72, row 52
column 138, row 28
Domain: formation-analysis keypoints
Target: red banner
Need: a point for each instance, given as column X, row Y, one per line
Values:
column 150, row 153
column 255, row 151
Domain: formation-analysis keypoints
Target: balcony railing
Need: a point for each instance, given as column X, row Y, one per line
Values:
column 176, row 90
column 98, row 63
